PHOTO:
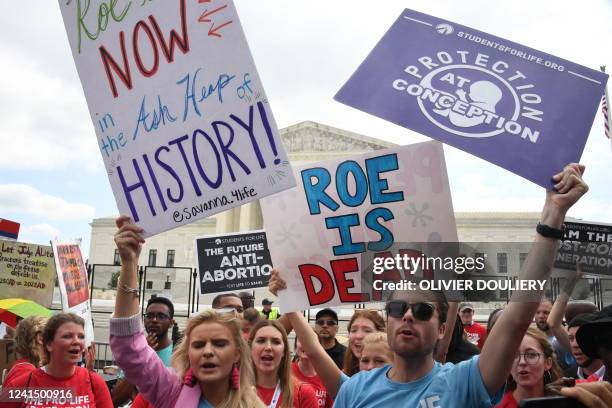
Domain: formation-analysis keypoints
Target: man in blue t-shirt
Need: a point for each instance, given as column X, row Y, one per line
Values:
column 416, row 321
column 158, row 321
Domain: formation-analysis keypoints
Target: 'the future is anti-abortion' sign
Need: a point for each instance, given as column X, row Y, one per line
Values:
column 231, row 262
column 319, row 231
column 519, row 108
column 180, row 114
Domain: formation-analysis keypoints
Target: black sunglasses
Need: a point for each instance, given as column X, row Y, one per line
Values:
column 421, row 310
column 323, row 322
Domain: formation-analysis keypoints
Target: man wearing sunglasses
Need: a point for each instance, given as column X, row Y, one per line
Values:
column 326, row 327
column 416, row 322
column 158, row 319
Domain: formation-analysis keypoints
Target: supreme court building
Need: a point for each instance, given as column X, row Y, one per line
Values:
column 305, row 142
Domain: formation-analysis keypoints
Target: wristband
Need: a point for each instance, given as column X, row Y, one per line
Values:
column 550, row 232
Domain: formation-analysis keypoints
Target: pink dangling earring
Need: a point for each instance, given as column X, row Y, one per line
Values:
column 235, row 380
column 189, row 379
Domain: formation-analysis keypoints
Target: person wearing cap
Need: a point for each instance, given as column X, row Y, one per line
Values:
column 476, row 333
column 326, row 327
column 595, row 338
column 268, row 312
column 585, row 367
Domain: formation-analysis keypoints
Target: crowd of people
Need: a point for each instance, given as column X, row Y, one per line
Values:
column 419, row 351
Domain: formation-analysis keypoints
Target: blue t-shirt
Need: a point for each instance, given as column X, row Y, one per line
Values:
column 446, row 386
column 165, row 354
column 204, row 403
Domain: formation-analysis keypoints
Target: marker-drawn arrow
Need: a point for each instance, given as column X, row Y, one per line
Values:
column 204, row 17
column 213, row 30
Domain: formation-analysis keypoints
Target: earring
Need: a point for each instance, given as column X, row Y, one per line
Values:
column 547, row 377
column 235, row 378
column 189, row 378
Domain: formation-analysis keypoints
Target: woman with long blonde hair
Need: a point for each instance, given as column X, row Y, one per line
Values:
column 272, row 365
column 28, row 346
column 212, row 362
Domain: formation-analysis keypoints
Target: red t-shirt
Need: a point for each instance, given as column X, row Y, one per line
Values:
column 508, row 401
column 88, row 389
column 303, row 396
column 476, row 334
column 315, row 382
column 140, row 402
column 21, row 366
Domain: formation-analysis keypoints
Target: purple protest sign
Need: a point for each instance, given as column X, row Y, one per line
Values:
column 522, row 109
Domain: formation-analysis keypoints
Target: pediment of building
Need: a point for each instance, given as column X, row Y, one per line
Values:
column 314, row 138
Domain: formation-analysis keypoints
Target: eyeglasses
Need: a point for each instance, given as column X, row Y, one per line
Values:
column 420, row 310
column 159, row 316
column 530, row 357
column 324, row 322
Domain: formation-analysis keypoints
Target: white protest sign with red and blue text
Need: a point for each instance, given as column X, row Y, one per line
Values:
column 519, row 108
column 180, row 114
column 318, row 231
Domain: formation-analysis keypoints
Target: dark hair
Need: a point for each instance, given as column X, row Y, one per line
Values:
column 459, row 349
column 247, row 298
column 164, row 301
column 327, row 312
column 351, row 362
column 581, row 319
column 176, row 334
column 251, row 315
column 217, row 300
column 493, row 318
column 53, row 324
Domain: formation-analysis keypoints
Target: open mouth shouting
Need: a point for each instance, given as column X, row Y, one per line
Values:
column 267, row 360
column 407, row 333
column 208, row 367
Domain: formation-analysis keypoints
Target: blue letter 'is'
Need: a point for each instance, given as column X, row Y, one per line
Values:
column 344, row 224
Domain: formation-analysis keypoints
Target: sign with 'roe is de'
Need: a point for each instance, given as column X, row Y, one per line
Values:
column 519, row 108
column 319, row 231
column 180, row 114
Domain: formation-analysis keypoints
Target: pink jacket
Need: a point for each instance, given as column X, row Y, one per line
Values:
column 159, row 385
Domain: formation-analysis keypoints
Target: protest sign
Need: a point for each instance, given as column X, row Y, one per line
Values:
column 180, row 114
column 72, row 279
column 343, row 208
column 232, row 262
column 9, row 230
column 519, row 108
column 27, row 271
column 588, row 244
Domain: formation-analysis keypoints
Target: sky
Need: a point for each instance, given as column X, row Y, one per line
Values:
column 52, row 177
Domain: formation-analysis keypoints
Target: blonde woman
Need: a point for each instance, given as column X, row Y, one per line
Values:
column 212, row 362
column 375, row 352
column 272, row 365
column 28, row 346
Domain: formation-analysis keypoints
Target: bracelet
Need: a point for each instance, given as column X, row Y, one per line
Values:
column 125, row 288
column 550, row 232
